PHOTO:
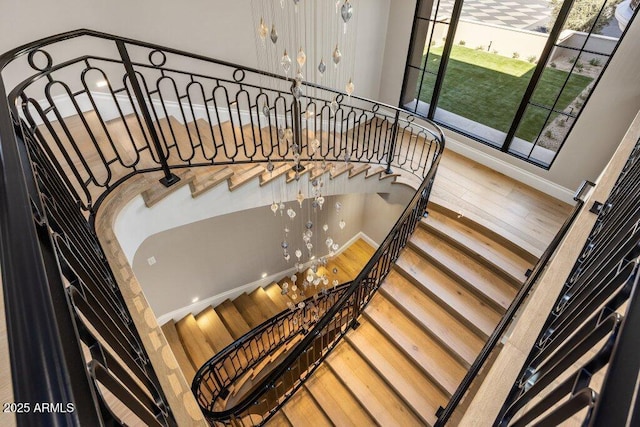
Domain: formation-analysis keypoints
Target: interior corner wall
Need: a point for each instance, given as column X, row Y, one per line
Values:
column 215, row 28
column 595, row 136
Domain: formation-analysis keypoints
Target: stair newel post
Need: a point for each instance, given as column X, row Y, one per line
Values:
column 169, row 178
column 392, row 142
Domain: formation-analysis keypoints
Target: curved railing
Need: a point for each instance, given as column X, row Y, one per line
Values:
column 86, row 111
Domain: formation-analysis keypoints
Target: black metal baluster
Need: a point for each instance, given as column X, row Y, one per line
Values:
column 169, row 178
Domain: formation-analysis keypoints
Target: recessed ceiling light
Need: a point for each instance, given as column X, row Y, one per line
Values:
column 264, row 275
column 101, row 83
column 196, row 299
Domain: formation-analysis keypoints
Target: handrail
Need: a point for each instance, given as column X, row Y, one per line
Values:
column 445, row 413
column 47, row 181
column 415, row 206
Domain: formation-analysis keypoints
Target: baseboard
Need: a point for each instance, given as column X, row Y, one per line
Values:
column 512, row 171
column 249, row 287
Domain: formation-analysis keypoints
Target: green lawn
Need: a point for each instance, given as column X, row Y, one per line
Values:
column 487, row 88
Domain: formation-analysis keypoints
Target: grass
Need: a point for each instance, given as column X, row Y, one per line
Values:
column 488, row 88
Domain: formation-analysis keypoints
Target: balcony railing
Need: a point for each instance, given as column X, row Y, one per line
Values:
column 63, row 98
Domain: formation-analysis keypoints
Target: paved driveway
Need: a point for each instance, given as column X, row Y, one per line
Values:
column 523, row 14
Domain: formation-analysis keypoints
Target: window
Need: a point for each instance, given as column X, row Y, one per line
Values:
column 514, row 75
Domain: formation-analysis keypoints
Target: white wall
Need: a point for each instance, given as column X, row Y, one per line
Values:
column 216, row 28
column 593, row 140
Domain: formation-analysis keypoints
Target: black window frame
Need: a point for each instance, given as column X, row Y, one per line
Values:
column 409, row 90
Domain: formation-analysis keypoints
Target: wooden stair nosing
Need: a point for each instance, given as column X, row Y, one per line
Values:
column 301, row 408
column 237, row 181
column 357, row 170
column 199, row 187
column 446, row 381
column 373, row 171
column 465, row 355
column 477, row 255
column 389, row 374
column 338, row 402
column 260, row 297
column 376, row 408
column 232, row 319
column 194, row 341
column 471, row 285
column 266, row 177
column 214, row 329
column 275, row 293
column 460, row 308
column 252, row 313
column 291, row 175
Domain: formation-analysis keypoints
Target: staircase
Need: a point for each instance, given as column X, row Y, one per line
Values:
column 195, row 339
column 420, row 332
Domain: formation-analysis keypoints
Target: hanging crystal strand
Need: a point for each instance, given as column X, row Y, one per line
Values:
column 347, row 13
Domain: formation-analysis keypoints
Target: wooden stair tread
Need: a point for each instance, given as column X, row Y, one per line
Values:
column 176, row 137
column 157, row 191
column 232, row 319
column 427, row 353
column 301, row 409
column 266, row 304
column 398, row 371
column 442, row 201
column 214, row 329
column 275, row 293
column 252, row 313
column 171, row 334
column 442, row 325
column 337, row 401
column 339, row 168
column 476, row 276
column 475, row 313
column 375, row 170
column 358, row 169
column 279, row 419
column 279, row 170
column 479, row 245
column 382, row 403
column 237, row 180
column 194, row 341
column 209, row 179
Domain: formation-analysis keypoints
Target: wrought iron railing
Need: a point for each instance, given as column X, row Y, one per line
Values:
column 509, row 316
column 235, row 366
column 273, row 391
column 85, row 112
column 584, row 366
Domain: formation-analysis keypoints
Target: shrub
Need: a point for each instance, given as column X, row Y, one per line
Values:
column 595, row 62
column 462, row 42
column 515, row 55
column 553, row 65
column 572, row 60
column 532, row 58
column 579, row 66
column 562, row 123
column 495, row 51
column 480, row 47
column 584, row 13
column 549, row 134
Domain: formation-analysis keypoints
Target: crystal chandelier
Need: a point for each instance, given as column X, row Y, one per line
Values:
column 312, row 42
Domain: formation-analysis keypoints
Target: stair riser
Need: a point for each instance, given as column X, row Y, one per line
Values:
column 513, row 281
column 407, row 275
column 426, row 329
column 408, row 356
column 468, row 286
column 390, row 383
column 485, row 231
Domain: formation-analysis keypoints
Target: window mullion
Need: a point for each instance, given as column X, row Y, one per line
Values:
column 542, row 62
column 444, row 60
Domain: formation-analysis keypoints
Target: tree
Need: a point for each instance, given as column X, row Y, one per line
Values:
column 583, row 14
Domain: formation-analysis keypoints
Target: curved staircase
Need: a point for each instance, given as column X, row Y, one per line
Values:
column 195, row 339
